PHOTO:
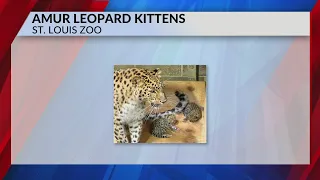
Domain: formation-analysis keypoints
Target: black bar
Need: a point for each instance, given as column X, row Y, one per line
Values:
column 197, row 72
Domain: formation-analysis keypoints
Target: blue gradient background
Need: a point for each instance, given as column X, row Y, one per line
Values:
column 164, row 172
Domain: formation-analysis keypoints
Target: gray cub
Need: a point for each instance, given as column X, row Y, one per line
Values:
column 192, row 112
column 161, row 127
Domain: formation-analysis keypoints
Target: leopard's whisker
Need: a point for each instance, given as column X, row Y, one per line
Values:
column 147, row 117
column 172, row 99
column 171, row 103
column 150, row 111
column 157, row 109
column 150, row 114
column 147, row 107
column 171, row 96
column 144, row 109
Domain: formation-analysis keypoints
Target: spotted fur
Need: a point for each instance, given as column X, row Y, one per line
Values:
column 162, row 127
column 192, row 112
column 134, row 90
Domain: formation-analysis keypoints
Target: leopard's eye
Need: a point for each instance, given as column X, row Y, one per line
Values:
column 153, row 91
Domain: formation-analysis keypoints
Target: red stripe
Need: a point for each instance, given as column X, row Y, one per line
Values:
column 304, row 172
column 99, row 6
column 5, row 121
column 3, row 4
column 13, row 15
column 315, row 90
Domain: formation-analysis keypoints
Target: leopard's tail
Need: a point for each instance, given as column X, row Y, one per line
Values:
column 183, row 102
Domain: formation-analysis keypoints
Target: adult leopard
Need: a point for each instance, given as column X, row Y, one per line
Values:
column 135, row 90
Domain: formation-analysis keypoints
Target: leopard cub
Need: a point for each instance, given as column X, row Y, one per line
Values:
column 162, row 127
column 193, row 112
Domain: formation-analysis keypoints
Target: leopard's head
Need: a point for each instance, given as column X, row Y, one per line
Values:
column 149, row 87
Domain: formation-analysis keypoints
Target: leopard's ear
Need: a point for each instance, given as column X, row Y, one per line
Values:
column 137, row 81
column 157, row 72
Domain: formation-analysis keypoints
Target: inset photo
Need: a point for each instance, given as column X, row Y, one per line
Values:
column 159, row 104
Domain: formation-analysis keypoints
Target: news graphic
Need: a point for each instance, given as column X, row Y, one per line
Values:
column 257, row 104
column 166, row 24
column 70, row 22
column 140, row 92
column 159, row 104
